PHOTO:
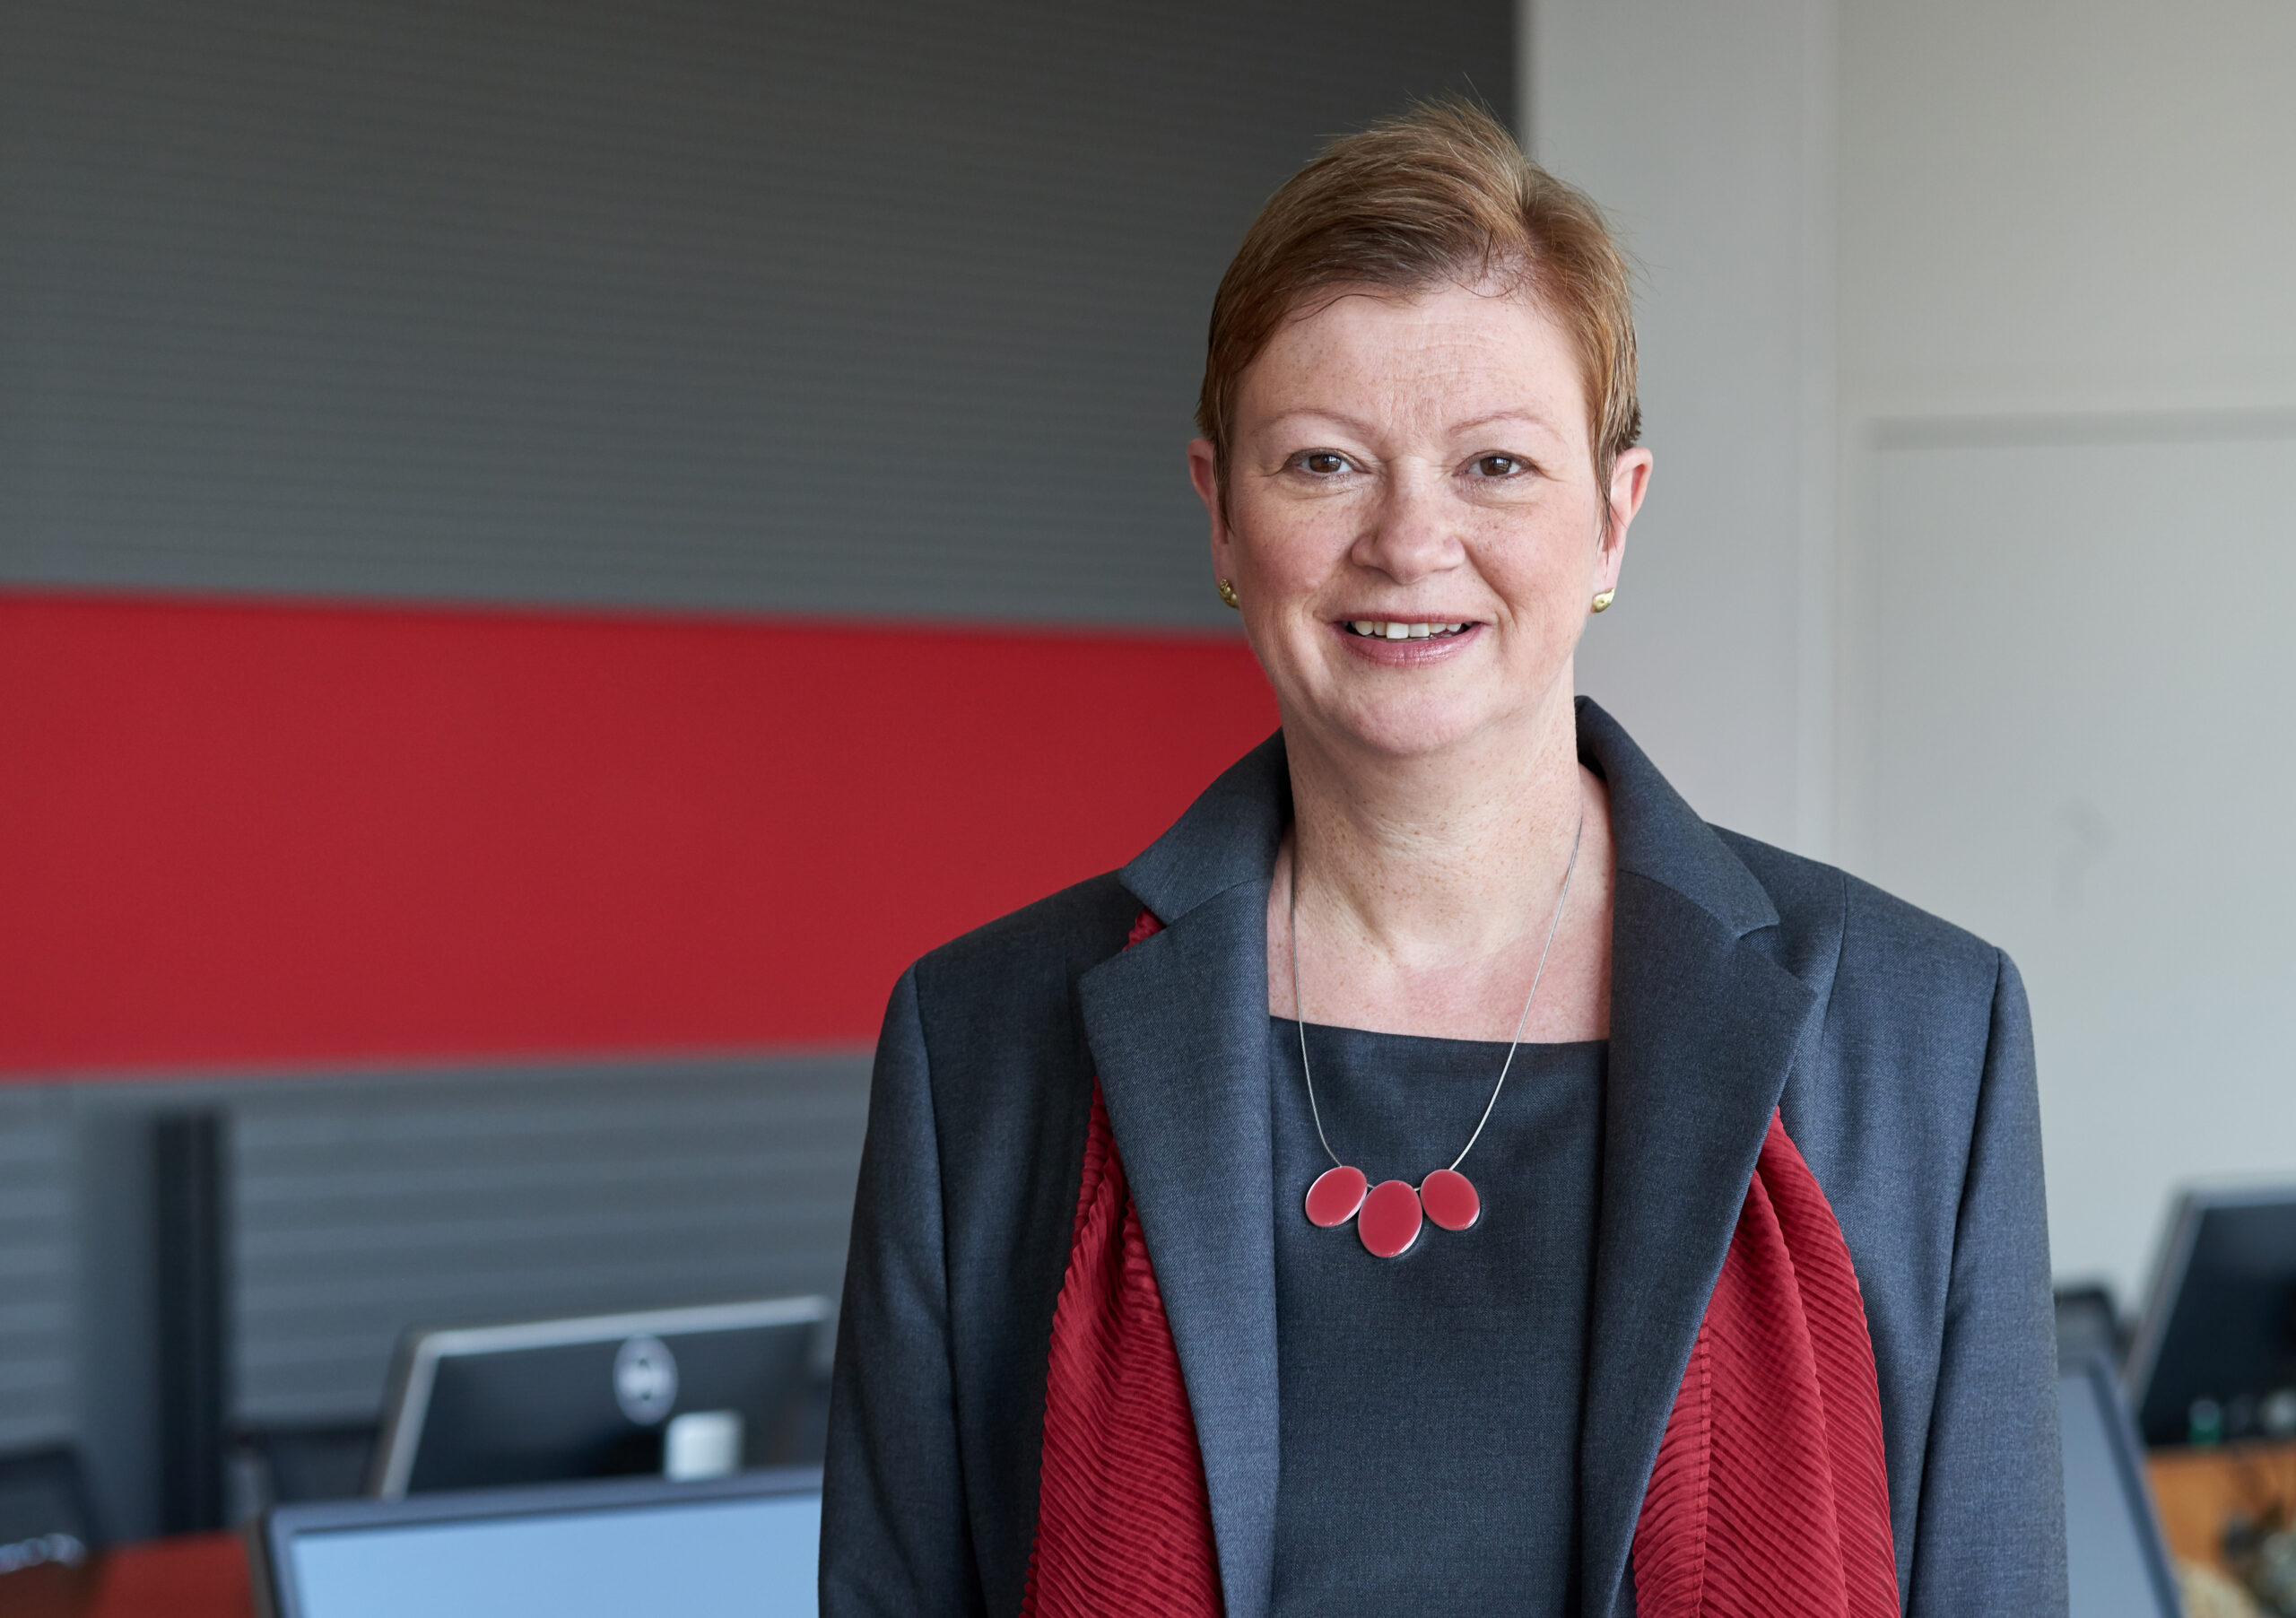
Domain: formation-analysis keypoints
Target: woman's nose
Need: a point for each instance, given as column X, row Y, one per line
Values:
column 1411, row 532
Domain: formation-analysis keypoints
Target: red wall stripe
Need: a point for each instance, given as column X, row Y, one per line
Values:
column 240, row 834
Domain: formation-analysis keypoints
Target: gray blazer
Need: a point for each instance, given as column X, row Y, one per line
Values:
column 1742, row 979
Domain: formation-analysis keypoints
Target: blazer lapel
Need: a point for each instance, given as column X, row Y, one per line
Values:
column 1704, row 1028
column 1177, row 1027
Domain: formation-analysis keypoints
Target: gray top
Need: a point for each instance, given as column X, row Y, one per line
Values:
column 1429, row 1405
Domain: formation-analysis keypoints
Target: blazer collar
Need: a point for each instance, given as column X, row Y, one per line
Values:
column 1704, row 1026
column 1660, row 837
column 1230, row 834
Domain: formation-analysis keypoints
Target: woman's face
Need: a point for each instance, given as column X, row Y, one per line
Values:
column 1416, row 461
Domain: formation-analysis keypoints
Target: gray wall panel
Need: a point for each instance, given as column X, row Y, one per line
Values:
column 362, row 1205
column 37, row 1279
column 361, row 1209
column 879, row 308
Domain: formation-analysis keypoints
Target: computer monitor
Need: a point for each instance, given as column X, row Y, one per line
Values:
column 2087, row 1322
column 2116, row 1564
column 544, row 1401
column 2214, row 1355
column 748, row 1544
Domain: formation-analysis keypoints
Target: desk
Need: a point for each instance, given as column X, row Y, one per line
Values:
column 205, row 1575
column 197, row 1576
column 2199, row 1490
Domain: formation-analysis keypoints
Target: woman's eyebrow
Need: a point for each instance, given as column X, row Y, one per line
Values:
column 1341, row 419
column 1513, row 417
column 1313, row 413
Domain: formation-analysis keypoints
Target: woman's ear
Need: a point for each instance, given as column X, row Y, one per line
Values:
column 1204, row 472
column 1630, row 482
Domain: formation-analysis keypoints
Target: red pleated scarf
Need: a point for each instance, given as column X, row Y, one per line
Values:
column 1769, row 1498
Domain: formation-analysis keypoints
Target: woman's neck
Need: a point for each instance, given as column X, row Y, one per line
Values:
column 1425, row 887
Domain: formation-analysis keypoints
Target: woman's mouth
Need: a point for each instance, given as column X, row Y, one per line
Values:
column 1380, row 629
column 1406, row 642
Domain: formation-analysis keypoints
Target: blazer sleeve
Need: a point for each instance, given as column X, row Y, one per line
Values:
column 1991, row 1534
column 894, row 1534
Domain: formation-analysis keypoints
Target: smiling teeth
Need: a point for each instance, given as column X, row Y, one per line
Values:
column 1377, row 629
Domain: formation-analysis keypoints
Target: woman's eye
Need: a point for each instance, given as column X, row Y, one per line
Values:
column 1324, row 463
column 1497, row 465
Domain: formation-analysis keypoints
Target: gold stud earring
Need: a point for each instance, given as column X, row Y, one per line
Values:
column 1227, row 594
column 1603, row 600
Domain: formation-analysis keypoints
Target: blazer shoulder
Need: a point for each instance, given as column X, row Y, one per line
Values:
column 1817, row 903
column 1917, row 1014
column 1040, row 946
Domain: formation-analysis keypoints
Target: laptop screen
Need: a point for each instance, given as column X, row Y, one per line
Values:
column 754, row 1555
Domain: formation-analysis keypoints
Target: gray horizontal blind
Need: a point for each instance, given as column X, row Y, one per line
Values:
column 881, row 307
column 36, row 1251
column 362, row 1207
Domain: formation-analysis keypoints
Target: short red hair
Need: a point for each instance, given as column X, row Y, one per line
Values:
column 1441, row 193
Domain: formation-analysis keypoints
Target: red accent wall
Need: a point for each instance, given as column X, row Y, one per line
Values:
column 237, row 835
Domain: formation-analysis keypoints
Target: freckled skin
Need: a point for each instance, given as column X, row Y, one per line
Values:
column 1414, row 395
column 1428, row 459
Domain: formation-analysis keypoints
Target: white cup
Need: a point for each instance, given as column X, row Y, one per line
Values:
column 702, row 1443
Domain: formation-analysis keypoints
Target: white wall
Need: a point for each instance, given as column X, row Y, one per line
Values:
column 2074, row 746
column 2068, row 373
column 1971, row 356
column 2068, row 206
column 1702, row 130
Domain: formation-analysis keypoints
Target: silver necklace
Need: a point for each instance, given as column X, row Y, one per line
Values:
column 1388, row 1215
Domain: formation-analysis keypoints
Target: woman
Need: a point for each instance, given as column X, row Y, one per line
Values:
column 1706, row 1272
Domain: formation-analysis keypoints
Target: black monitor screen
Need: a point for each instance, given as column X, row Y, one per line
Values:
column 605, row 1397
column 2216, row 1357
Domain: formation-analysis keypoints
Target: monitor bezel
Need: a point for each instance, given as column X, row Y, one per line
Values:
column 406, row 1403
column 2096, row 1370
column 271, row 1537
column 2193, row 1205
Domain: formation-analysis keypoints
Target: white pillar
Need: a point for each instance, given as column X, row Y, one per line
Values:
column 1705, row 131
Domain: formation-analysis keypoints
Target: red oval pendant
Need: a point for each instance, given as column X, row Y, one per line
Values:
column 1450, row 1200
column 1389, row 1222
column 1336, row 1196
